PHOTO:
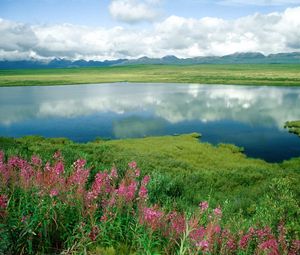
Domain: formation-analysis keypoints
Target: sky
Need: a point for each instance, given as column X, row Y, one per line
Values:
column 112, row 29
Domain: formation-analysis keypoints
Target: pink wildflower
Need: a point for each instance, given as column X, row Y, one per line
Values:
column 251, row 231
column 143, row 193
column 127, row 192
column 54, row 193
column 47, row 167
column 132, row 165
column 104, row 218
column 112, row 201
column 231, row 245
column 178, row 223
column 113, row 173
column 59, row 168
column 217, row 229
column 152, row 217
column 203, row 206
column 137, row 172
column 26, row 172
column 13, row 161
column 3, row 201
column 79, row 176
column 282, row 237
column 94, row 233
column 295, row 248
column 203, row 245
column 146, row 180
column 270, row 246
column 1, row 157
column 131, row 191
column 99, row 183
column 218, row 212
column 36, row 161
column 79, row 164
column 265, row 233
column 4, row 173
column 57, row 155
column 245, row 241
column 198, row 234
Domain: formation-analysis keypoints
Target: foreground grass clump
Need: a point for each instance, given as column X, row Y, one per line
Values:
column 49, row 207
column 293, row 127
column 240, row 74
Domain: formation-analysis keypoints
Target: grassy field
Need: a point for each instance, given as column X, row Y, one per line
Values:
column 252, row 193
column 260, row 74
column 186, row 170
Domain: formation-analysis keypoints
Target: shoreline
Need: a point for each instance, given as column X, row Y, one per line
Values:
column 278, row 75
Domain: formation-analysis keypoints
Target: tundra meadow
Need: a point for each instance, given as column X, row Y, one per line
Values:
column 47, row 207
column 181, row 136
column 52, row 202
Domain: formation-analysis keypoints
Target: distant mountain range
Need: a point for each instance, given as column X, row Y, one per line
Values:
column 236, row 58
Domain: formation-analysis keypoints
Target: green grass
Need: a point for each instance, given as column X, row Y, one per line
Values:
column 186, row 170
column 293, row 127
column 243, row 74
column 57, row 208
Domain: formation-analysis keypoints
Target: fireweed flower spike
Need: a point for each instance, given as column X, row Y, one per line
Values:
column 3, row 201
column 218, row 212
column 36, row 161
column 132, row 165
column 203, row 206
column 203, row 245
column 54, row 193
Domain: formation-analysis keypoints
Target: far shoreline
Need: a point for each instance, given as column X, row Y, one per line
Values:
column 279, row 75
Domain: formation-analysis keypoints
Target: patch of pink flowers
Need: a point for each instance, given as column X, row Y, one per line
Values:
column 3, row 201
column 218, row 212
column 54, row 193
column 203, row 206
column 203, row 245
column 110, row 196
column 152, row 217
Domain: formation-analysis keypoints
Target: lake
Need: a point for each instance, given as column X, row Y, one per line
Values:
column 250, row 117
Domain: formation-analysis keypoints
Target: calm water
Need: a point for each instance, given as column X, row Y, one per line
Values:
column 251, row 117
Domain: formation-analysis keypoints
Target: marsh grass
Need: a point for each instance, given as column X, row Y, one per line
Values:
column 240, row 74
column 293, row 127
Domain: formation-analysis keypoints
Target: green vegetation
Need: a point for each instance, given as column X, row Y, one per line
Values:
column 243, row 74
column 186, row 171
column 293, row 127
column 80, row 208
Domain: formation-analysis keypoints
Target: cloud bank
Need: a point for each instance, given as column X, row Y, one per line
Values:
column 183, row 37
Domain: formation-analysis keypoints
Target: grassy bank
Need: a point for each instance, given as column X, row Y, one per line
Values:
column 186, row 171
column 248, row 206
column 293, row 127
column 254, row 74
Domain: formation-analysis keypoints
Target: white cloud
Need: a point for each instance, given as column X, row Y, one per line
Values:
column 183, row 37
column 16, row 36
column 134, row 11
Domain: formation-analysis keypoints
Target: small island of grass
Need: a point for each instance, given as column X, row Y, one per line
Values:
column 293, row 127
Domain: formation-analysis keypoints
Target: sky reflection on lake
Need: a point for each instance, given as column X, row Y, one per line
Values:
column 251, row 117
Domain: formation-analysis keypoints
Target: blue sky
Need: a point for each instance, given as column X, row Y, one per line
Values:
column 112, row 29
column 96, row 12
